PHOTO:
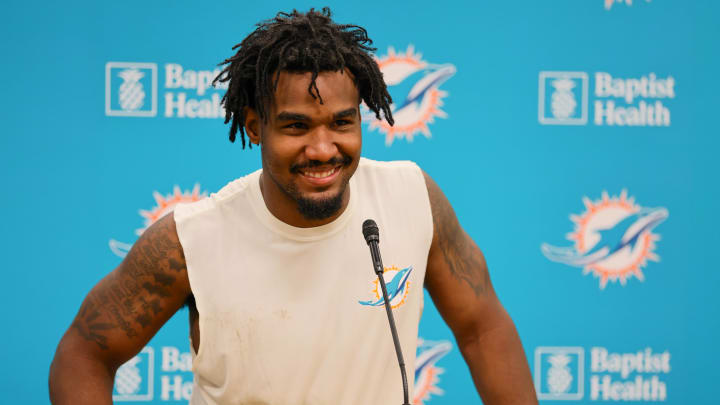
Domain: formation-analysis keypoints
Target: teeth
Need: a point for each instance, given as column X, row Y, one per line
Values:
column 319, row 175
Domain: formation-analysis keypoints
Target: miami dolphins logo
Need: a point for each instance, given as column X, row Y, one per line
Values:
column 415, row 87
column 613, row 239
column 609, row 3
column 397, row 282
column 165, row 205
column 426, row 373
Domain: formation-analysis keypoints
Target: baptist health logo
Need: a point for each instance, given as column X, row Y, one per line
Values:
column 130, row 89
column 629, row 376
column 563, row 99
column 134, row 380
column 567, row 102
column 559, row 373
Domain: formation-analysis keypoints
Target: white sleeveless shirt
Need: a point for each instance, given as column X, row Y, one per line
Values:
column 294, row 316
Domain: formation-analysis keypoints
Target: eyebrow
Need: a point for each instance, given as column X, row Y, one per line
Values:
column 291, row 116
column 350, row 112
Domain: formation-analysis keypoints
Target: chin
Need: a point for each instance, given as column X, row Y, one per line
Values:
column 323, row 206
column 316, row 209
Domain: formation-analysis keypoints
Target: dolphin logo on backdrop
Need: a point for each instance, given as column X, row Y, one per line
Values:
column 610, row 3
column 426, row 373
column 414, row 85
column 398, row 287
column 165, row 205
column 613, row 239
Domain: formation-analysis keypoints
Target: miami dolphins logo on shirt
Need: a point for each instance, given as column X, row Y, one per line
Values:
column 397, row 282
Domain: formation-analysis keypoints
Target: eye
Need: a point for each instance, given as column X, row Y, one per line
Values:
column 340, row 123
column 296, row 125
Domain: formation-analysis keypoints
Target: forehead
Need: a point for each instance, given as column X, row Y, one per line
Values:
column 337, row 89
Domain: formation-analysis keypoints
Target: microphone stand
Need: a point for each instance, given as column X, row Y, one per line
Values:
column 396, row 340
column 372, row 237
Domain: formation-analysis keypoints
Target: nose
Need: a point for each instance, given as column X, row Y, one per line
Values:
column 321, row 145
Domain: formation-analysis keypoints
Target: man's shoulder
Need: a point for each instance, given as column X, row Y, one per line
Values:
column 389, row 165
column 393, row 177
column 225, row 195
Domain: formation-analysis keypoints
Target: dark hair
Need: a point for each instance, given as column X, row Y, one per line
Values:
column 298, row 42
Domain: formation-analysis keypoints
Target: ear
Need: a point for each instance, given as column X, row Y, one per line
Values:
column 252, row 125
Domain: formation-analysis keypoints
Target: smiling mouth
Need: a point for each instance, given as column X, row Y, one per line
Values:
column 320, row 174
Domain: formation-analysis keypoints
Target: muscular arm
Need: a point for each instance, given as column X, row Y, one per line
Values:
column 458, row 281
column 119, row 316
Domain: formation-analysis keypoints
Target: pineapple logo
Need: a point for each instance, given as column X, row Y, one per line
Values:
column 563, row 100
column 131, row 94
column 414, row 85
column 559, row 377
column 134, row 379
column 559, row 373
column 130, row 89
column 566, row 101
column 127, row 378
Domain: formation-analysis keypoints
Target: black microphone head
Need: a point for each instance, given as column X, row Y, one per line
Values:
column 370, row 231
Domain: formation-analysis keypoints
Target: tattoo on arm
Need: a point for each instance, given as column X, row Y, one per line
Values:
column 462, row 257
column 87, row 325
column 133, row 295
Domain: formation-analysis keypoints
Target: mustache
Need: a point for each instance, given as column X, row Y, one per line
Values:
column 344, row 160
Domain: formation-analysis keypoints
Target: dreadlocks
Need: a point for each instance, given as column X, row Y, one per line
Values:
column 298, row 42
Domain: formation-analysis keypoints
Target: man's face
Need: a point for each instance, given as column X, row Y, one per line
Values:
column 309, row 150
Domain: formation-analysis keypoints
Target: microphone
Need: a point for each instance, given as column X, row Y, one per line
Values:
column 372, row 237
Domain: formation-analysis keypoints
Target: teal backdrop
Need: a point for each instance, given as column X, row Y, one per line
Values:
column 576, row 140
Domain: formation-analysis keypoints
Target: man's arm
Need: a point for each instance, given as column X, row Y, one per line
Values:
column 119, row 316
column 458, row 281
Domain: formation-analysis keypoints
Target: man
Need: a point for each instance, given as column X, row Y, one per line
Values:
column 273, row 266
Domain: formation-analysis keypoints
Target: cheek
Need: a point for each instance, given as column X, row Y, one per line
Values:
column 270, row 158
column 279, row 156
column 352, row 144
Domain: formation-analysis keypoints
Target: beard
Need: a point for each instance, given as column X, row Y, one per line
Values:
column 323, row 208
column 317, row 208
